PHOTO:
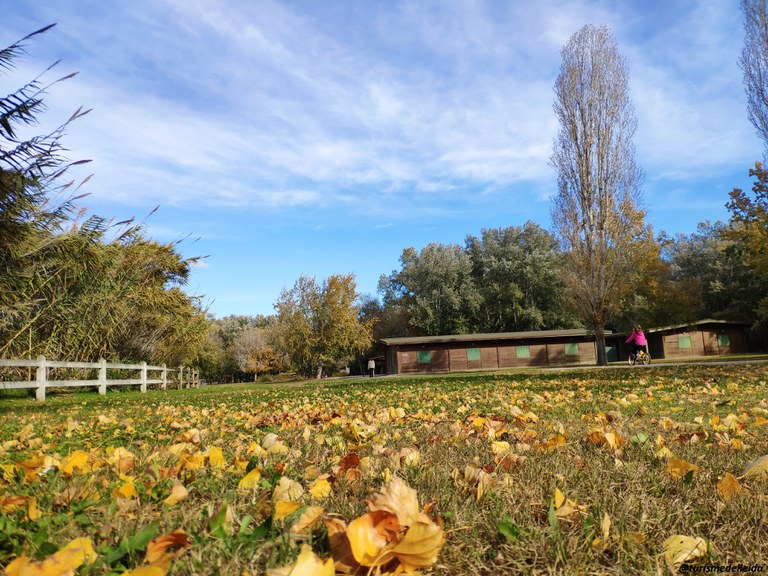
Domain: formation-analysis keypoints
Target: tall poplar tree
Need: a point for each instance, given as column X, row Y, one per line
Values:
column 596, row 212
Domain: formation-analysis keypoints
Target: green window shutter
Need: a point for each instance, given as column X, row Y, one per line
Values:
column 473, row 354
column 424, row 357
column 523, row 351
column 723, row 340
column 571, row 349
column 684, row 342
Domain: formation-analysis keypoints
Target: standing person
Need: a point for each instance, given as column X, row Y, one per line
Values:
column 638, row 337
column 371, row 367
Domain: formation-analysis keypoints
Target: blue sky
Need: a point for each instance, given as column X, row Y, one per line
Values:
column 306, row 137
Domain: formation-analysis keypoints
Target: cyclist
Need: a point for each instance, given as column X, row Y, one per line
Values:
column 638, row 337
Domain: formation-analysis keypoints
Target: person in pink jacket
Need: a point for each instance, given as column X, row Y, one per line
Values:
column 638, row 337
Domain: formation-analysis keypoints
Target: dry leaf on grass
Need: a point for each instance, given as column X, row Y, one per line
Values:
column 307, row 564
column 678, row 468
column 164, row 549
column 757, row 468
column 728, row 487
column 62, row 563
column 178, row 493
column 680, row 549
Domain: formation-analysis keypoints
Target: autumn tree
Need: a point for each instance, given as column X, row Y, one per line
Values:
column 595, row 211
column 255, row 353
column 319, row 324
column 749, row 228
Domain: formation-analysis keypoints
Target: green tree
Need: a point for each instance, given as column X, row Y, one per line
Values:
column 436, row 288
column 595, row 211
column 517, row 271
column 319, row 325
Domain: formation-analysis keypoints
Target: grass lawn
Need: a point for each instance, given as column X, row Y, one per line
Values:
column 556, row 472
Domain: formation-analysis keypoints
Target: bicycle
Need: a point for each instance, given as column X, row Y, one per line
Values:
column 642, row 356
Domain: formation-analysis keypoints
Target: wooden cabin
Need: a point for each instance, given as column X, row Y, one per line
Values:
column 424, row 354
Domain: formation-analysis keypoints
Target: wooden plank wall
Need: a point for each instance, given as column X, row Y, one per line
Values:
column 454, row 359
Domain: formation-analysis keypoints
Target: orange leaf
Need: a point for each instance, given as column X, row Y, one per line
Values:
column 163, row 549
column 728, row 486
column 678, row 468
column 371, row 535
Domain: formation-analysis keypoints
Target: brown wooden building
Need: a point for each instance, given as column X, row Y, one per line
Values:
column 703, row 338
column 424, row 354
column 489, row 351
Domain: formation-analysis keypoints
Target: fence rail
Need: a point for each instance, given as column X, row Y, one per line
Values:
column 183, row 376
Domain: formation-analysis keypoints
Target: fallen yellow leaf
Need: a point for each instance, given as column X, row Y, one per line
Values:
column 372, row 535
column 62, row 563
column 680, row 549
column 284, row 508
column 250, row 481
column 678, row 468
column 320, row 488
column 307, row 564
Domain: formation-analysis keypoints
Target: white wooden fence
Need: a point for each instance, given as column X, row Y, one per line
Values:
column 162, row 375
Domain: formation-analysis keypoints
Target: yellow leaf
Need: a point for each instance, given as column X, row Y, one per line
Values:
column 193, row 461
column 178, row 493
column 126, row 490
column 76, row 461
column 760, row 421
column 320, row 488
column 678, row 468
column 559, row 498
column 680, row 549
column 62, row 563
column 757, row 468
column 284, row 508
column 250, row 481
column 32, row 512
column 372, row 535
column 420, row 546
column 146, row 571
column 215, row 458
column 565, row 507
column 664, row 453
column 307, row 564
column 728, row 486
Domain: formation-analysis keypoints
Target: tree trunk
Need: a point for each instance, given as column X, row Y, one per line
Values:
column 319, row 372
column 602, row 355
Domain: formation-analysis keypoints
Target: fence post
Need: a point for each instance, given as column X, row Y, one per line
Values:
column 143, row 377
column 102, row 376
column 181, row 377
column 41, row 375
column 165, row 377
